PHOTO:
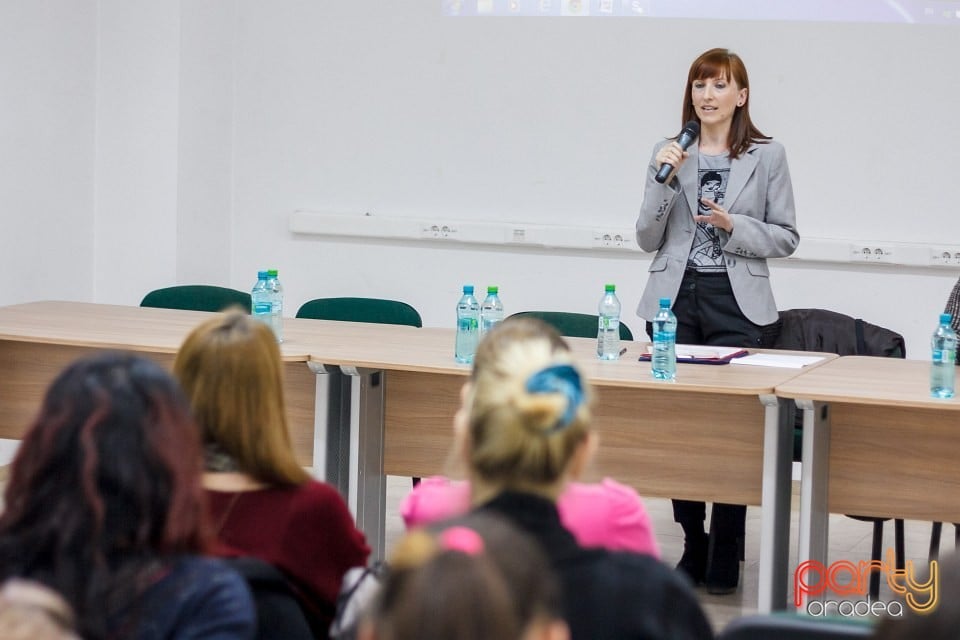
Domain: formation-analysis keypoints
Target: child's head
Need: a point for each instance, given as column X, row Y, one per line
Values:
column 473, row 579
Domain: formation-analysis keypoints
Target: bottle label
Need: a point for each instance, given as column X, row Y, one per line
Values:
column 608, row 323
column 262, row 308
column 944, row 356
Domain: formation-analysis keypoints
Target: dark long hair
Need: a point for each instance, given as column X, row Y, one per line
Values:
column 105, row 487
column 723, row 63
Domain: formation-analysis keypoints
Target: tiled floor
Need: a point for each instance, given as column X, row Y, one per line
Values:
column 849, row 540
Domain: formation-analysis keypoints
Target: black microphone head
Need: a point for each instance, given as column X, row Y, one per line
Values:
column 690, row 132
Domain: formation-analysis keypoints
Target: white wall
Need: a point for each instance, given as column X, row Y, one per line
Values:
column 136, row 168
column 146, row 143
column 47, row 93
column 205, row 141
column 397, row 111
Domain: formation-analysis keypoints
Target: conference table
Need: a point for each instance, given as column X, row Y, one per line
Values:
column 875, row 443
column 718, row 433
column 366, row 401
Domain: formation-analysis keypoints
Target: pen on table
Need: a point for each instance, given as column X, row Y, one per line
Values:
column 623, row 351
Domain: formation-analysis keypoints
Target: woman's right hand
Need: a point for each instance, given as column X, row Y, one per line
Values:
column 672, row 154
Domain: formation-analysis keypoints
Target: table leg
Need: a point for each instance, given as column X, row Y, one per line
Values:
column 814, row 485
column 331, row 427
column 348, row 444
column 368, row 484
column 775, row 503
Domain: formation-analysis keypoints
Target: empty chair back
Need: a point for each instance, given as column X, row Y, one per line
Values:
column 573, row 325
column 373, row 310
column 197, row 297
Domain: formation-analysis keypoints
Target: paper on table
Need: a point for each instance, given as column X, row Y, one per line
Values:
column 777, row 360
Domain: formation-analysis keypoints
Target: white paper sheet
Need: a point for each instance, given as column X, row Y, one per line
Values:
column 776, row 360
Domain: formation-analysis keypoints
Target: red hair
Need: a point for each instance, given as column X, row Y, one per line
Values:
column 105, row 486
column 723, row 63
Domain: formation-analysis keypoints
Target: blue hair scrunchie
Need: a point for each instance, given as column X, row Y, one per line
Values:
column 560, row 378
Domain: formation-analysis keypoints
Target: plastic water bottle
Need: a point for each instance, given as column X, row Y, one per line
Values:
column 608, row 329
column 663, row 361
column 468, row 326
column 260, row 304
column 942, row 369
column 275, row 290
column 491, row 311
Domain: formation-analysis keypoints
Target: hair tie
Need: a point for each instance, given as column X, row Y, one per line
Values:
column 560, row 378
column 461, row 539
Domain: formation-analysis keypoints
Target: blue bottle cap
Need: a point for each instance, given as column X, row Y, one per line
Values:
column 261, row 275
column 468, row 288
column 664, row 303
column 945, row 318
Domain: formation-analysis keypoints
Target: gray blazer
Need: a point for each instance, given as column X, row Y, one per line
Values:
column 759, row 197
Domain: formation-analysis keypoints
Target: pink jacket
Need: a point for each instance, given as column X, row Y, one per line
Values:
column 606, row 514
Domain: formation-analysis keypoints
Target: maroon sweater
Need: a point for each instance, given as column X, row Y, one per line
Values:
column 306, row 531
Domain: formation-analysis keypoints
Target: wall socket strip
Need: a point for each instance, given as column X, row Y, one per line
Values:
column 598, row 238
column 905, row 254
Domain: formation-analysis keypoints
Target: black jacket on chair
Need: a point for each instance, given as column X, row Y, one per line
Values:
column 832, row 332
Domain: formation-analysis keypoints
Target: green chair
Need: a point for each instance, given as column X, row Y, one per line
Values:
column 197, row 297
column 573, row 325
column 373, row 310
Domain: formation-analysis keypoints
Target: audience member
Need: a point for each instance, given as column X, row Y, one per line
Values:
column 523, row 432
column 953, row 308
column 475, row 579
column 262, row 502
column 104, row 506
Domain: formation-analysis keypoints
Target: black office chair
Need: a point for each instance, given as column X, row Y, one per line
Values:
column 197, row 297
column 574, row 325
column 832, row 332
column 374, row 310
column 279, row 613
column 792, row 626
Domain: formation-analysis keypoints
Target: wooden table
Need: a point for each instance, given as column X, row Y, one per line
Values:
column 38, row 339
column 874, row 444
column 718, row 433
column 387, row 402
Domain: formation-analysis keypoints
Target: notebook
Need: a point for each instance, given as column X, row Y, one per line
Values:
column 697, row 354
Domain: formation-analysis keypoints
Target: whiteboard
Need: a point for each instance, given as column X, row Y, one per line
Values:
column 552, row 120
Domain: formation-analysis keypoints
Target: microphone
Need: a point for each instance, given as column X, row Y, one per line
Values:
column 690, row 132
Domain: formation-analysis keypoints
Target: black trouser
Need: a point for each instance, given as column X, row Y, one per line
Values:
column 708, row 314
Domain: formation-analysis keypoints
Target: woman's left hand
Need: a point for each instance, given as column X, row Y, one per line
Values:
column 719, row 217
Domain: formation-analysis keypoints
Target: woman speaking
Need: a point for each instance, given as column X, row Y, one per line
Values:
column 720, row 209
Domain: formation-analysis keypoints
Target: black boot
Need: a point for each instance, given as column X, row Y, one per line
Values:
column 694, row 560
column 723, row 568
column 723, row 563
